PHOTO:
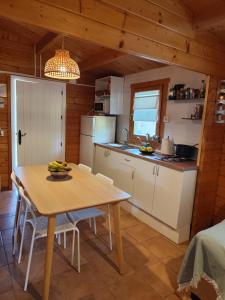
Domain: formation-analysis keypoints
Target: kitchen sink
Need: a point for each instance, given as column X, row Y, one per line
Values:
column 120, row 146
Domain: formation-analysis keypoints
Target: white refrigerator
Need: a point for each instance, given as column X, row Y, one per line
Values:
column 95, row 129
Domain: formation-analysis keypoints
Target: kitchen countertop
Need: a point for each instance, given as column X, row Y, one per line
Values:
column 178, row 166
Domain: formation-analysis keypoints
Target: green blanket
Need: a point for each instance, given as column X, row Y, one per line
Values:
column 205, row 258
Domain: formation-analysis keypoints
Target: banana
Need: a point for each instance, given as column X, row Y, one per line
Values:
column 58, row 166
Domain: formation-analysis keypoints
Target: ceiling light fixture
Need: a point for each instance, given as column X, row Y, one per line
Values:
column 62, row 66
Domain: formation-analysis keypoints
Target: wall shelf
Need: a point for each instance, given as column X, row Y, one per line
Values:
column 187, row 100
column 191, row 119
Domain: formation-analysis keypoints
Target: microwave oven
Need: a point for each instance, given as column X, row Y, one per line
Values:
column 102, row 105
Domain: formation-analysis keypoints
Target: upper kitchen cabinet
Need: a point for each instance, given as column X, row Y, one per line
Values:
column 109, row 95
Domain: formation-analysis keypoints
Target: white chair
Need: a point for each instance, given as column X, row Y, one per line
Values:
column 18, row 212
column 92, row 213
column 39, row 225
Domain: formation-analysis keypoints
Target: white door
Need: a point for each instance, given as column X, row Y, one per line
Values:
column 144, row 185
column 39, row 122
column 167, row 196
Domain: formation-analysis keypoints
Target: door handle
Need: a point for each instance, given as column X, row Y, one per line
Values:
column 126, row 159
column 153, row 172
column 20, row 135
column 157, row 171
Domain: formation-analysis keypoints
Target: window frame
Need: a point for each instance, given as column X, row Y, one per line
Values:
column 162, row 85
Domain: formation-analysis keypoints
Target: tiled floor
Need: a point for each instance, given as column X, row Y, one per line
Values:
column 152, row 263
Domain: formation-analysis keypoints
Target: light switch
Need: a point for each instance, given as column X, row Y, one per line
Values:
column 2, row 132
column 165, row 119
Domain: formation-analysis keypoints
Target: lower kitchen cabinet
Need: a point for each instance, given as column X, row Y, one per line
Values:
column 161, row 192
column 115, row 166
column 173, row 196
column 143, row 185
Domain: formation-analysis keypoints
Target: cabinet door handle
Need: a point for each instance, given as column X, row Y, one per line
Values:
column 157, row 171
column 132, row 175
column 126, row 159
column 153, row 172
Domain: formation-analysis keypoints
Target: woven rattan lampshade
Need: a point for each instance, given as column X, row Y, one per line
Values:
column 62, row 66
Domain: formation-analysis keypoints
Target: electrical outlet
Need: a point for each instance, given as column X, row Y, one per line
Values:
column 166, row 119
column 2, row 133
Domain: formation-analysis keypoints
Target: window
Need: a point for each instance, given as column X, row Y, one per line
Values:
column 146, row 112
column 148, row 106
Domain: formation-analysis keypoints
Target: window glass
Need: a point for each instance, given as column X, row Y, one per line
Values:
column 146, row 112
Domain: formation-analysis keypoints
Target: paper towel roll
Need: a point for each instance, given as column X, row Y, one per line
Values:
column 166, row 146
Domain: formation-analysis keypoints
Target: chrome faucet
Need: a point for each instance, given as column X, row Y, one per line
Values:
column 148, row 138
column 125, row 132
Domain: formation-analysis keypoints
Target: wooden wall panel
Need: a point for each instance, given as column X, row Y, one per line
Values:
column 5, row 141
column 79, row 102
column 16, row 55
column 219, row 213
column 209, row 163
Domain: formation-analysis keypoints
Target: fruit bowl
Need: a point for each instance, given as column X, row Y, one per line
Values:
column 58, row 169
column 60, row 175
column 146, row 150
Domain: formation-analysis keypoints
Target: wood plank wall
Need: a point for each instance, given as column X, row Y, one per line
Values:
column 219, row 213
column 5, row 141
column 79, row 101
column 209, row 164
column 16, row 54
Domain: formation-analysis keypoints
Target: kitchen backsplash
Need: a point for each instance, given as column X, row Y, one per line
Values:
column 182, row 131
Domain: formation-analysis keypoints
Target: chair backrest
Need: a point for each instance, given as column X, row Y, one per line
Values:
column 85, row 168
column 26, row 200
column 104, row 178
column 15, row 180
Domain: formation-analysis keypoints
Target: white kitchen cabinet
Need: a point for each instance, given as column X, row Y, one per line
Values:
column 161, row 192
column 115, row 166
column 104, row 162
column 114, row 86
column 144, row 185
column 173, row 196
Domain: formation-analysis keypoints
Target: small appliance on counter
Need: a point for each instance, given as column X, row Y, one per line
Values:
column 95, row 129
column 167, row 147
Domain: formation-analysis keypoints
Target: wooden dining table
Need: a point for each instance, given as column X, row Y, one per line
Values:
column 81, row 190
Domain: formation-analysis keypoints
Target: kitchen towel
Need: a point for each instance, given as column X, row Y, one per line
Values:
column 205, row 258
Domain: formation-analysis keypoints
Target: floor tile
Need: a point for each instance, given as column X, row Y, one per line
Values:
column 141, row 232
column 162, row 247
column 151, row 263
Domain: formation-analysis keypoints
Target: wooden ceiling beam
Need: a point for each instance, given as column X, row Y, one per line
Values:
column 210, row 18
column 47, row 41
column 100, row 59
column 107, row 26
column 128, row 21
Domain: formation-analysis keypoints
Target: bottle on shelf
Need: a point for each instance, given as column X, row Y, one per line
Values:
column 202, row 89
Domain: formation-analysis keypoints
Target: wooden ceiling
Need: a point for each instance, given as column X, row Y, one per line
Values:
column 208, row 15
column 20, row 42
column 94, row 60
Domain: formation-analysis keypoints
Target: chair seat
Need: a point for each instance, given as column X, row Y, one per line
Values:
column 84, row 214
column 62, row 224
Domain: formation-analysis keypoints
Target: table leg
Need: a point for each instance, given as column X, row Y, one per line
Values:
column 49, row 255
column 119, row 245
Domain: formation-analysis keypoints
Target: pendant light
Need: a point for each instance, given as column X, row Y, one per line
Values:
column 62, row 66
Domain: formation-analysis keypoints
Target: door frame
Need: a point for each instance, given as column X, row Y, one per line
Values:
column 13, row 80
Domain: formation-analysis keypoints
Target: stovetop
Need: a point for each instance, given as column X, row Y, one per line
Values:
column 174, row 159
